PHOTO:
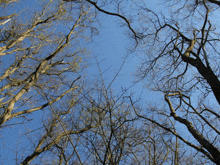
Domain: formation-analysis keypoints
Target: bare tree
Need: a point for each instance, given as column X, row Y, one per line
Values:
column 121, row 137
column 42, row 55
column 109, row 143
column 35, row 58
column 181, row 61
column 41, row 67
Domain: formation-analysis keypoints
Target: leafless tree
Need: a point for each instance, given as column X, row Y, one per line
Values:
column 122, row 137
column 41, row 63
column 181, row 47
column 36, row 59
column 41, row 54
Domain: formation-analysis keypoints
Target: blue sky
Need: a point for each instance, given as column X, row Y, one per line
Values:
column 111, row 47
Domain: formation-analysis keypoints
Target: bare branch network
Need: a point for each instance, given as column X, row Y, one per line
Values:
column 53, row 112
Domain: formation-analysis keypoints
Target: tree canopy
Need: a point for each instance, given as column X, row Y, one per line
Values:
column 66, row 116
